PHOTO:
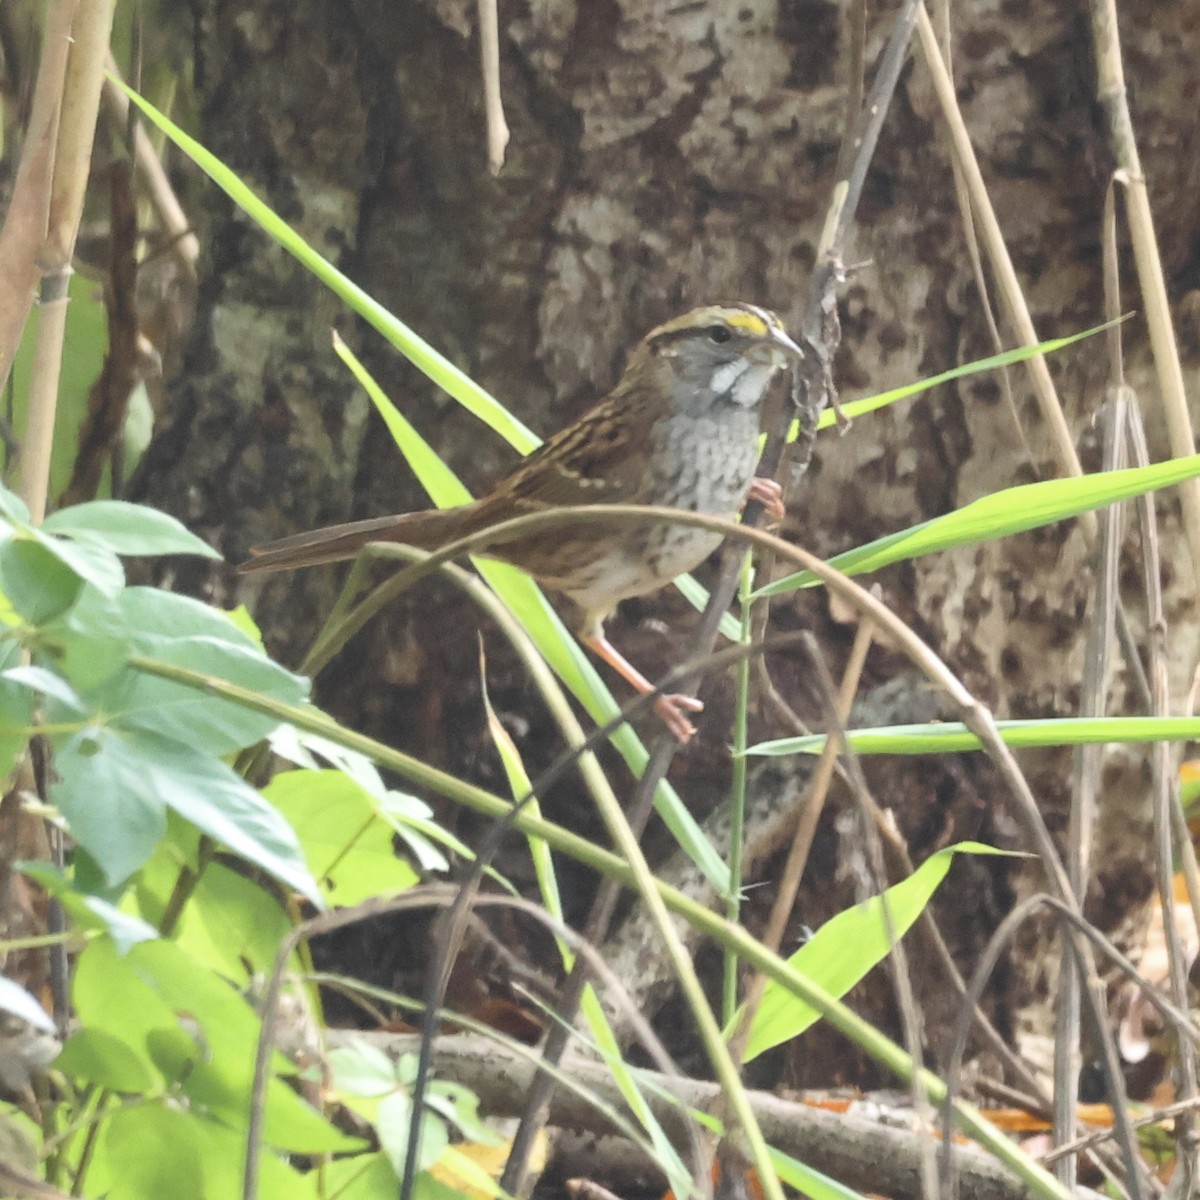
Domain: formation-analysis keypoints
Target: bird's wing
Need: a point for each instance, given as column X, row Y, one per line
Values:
column 600, row 459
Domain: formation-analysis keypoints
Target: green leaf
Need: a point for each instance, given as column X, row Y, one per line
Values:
column 89, row 642
column 127, row 529
column 87, row 911
column 92, row 641
column 106, row 788
column 231, row 922
column 346, row 843
column 363, row 1070
column 204, row 791
column 810, row 1182
column 16, row 1000
column 132, row 699
column 953, row 736
column 218, row 1073
column 93, row 564
column 413, row 823
column 36, row 581
column 16, row 722
column 846, row 947
column 13, row 507
column 110, row 996
column 869, row 404
column 115, row 786
column 460, row 1107
column 245, row 623
column 46, row 683
column 155, row 616
column 363, row 1177
column 232, row 925
column 443, row 372
column 391, row 1124
column 154, row 1153
column 519, row 786
column 221, row 1084
column 1001, row 514
column 224, row 1152
column 99, row 1057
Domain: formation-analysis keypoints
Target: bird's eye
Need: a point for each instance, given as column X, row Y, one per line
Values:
column 718, row 333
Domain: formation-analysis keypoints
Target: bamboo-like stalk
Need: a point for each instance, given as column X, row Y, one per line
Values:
column 24, row 228
column 76, row 130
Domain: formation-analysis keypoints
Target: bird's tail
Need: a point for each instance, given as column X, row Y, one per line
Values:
column 337, row 543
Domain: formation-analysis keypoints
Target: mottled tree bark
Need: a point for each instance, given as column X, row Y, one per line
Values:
column 664, row 155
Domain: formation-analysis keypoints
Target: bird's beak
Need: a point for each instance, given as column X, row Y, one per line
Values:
column 785, row 343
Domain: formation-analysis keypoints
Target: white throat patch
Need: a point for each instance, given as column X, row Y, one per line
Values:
column 745, row 381
column 726, row 375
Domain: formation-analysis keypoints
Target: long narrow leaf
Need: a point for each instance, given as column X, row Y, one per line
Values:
column 1006, row 358
column 441, row 370
column 527, row 603
column 953, row 736
column 519, row 783
column 846, row 947
column 1013, row 510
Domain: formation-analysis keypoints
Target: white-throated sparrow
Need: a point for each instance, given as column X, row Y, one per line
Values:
column 680, row 429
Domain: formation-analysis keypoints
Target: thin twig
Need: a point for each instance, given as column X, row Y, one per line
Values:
column 182, row 242
column 1002, row 267
column 1081, row 819
column 816, row 321
column 489, row 52
column 1166, row 807
column 1091, row 1140
column 1110, row 91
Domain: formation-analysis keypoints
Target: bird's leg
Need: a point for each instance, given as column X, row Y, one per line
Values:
column 769, row 494
column 673, row 709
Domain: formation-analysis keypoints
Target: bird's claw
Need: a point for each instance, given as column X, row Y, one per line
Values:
column 769, row 494
column 673, row 710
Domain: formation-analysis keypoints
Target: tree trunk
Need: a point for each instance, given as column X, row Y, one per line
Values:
column 664, row 155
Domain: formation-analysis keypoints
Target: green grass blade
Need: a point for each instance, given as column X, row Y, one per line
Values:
column 953, row 736
column 1001, row 514
column 455, row 382
column 846, row 947
column 1006, row 358
column 527, row 603
column 441, row 370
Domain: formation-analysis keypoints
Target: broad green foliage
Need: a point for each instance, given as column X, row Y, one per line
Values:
column 345, row 833
column 128, row 747
column 165, row 830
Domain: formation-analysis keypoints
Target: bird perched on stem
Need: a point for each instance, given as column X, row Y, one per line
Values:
column 679, row 430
